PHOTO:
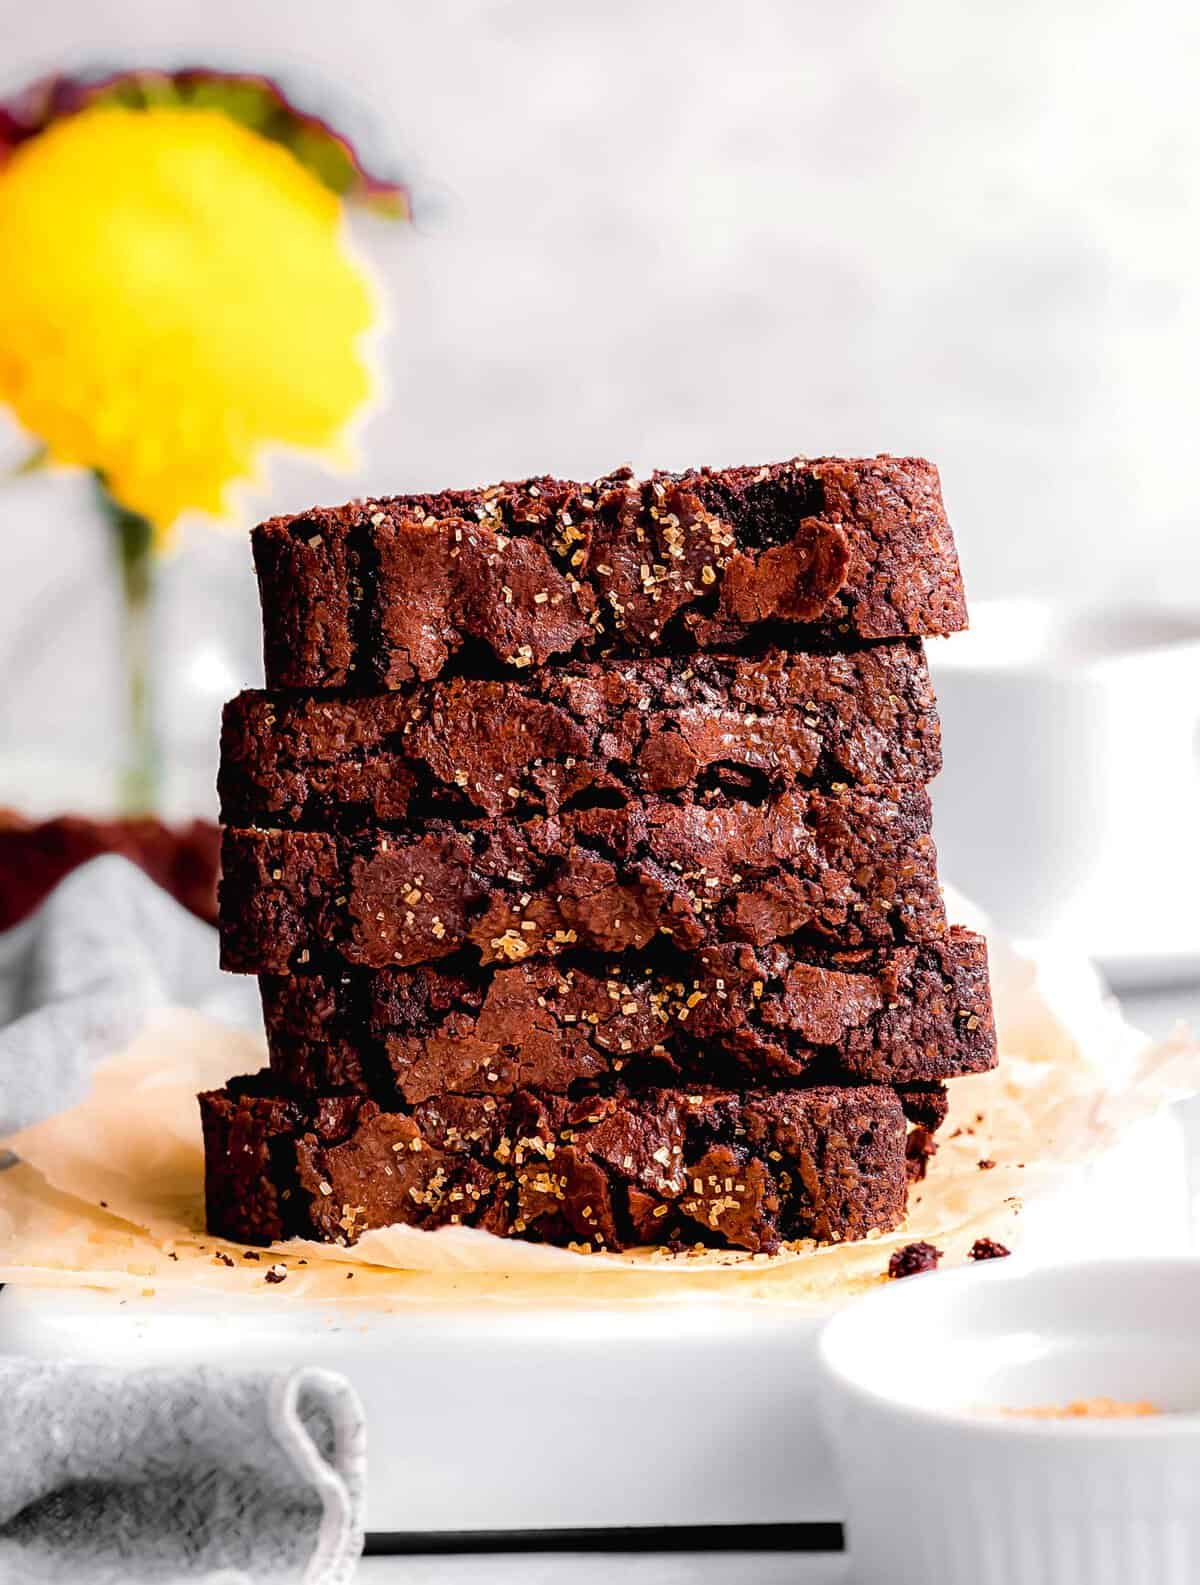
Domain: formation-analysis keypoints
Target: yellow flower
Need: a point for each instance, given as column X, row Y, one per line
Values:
column 176, row 292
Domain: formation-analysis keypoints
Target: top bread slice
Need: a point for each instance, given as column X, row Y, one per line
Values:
column 801, row 555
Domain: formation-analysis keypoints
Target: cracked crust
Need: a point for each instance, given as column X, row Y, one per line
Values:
column 728, row 1015
column 382, row 593
column 747, row 1171
column 468, row 747
column 843, row 869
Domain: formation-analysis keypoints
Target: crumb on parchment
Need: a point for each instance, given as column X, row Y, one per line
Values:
column 914, row 1259
column 987, row 1249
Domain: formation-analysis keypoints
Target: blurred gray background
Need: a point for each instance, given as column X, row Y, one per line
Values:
column 674, row 233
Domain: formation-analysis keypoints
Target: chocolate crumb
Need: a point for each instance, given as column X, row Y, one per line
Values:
column 349, row 1274
column 919, row 1150
column 274, row 1273
column 913, row 1259
column 251, row 1254
column 226, row 1260
column 987, row 1249
column 986, row 1165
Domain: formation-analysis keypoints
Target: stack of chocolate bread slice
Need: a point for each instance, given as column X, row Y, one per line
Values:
column 581, row 843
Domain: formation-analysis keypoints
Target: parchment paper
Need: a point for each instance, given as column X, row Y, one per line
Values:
column 110, row 1193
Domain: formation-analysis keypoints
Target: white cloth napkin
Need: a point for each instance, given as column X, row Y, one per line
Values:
column 158, row 1475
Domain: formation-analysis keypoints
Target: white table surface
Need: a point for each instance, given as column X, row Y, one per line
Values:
column 1156, row 1012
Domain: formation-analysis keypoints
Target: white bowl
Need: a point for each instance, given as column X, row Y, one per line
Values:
column 942, row 1487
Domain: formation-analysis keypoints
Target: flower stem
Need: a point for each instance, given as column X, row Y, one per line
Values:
column 141, row 765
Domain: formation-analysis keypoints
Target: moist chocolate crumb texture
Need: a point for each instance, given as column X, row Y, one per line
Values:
column 747, row 1170
column 845, row 869
column 729, row 1015
column 383, row 593
column 468, row 747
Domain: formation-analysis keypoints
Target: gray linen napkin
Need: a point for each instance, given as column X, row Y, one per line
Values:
column 111, row 1476
column 79, row 975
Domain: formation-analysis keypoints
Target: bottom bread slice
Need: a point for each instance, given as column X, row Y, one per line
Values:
column 750, row 1170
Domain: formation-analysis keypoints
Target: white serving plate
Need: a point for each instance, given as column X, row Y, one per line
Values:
column 490, row 1419
column 517, row 1417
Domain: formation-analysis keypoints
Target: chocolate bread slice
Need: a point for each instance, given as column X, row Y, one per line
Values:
column 729, row 1015
column 748, row 1170
column 468, row 747
column 846, row 869
column 382, row 593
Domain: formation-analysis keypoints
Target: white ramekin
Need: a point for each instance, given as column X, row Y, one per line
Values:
column 941, row 1490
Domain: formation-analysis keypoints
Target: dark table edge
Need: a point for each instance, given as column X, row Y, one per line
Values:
column 644, row 1538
